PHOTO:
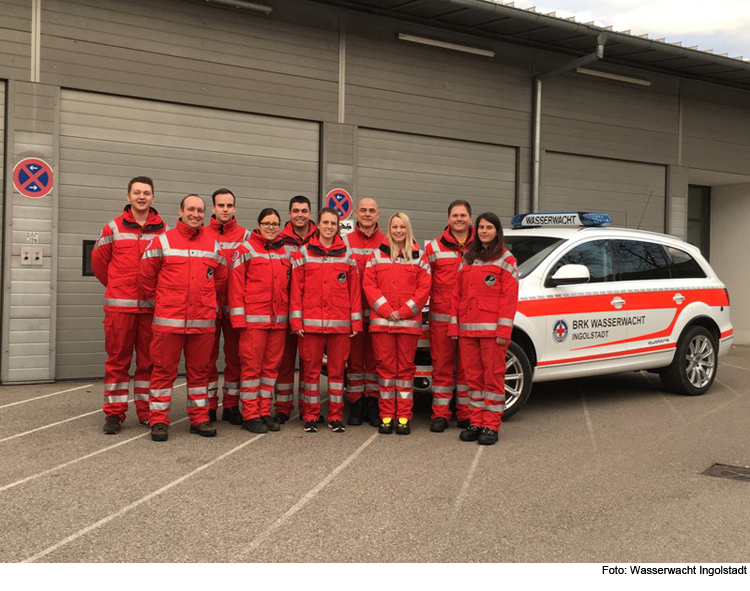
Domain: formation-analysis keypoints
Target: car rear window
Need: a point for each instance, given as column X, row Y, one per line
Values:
column 683, row 265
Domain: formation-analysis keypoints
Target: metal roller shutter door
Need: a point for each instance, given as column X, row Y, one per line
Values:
column 107, row 140
column 633, row 193
column 421, row 175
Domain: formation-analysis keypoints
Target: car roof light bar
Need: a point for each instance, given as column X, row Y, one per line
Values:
column 560, row 218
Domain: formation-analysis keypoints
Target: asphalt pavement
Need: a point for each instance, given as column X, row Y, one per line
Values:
column 604, row 469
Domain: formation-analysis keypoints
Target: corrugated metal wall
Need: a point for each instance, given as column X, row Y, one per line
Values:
column 106, row 140
column 15, row 34
column 631, row 192
column 421, row 175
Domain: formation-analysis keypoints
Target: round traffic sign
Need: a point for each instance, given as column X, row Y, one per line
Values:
column 32, row 177
column 341, row 201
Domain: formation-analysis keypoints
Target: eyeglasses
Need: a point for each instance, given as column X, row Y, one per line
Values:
column 270, row 225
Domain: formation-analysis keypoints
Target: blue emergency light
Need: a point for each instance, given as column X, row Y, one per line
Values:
column 560, row 218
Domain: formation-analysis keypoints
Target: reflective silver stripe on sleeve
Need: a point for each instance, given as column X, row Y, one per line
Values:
column 200, row 323
column 200, row 402
column 120, row 303
column 440, row 317
column 115, row 398
column 379, row 302
column 356, row 316
column 447, row 254
column 298, row 262
column 295, row 314
column 325, row 323
column 395, row 323
column 158, row 405
column 236, row 311
column 478, row 326
column 103, row 240
column 454, row 319
column 116, row 386
column 505, row 322
column 412, row 306
column 124, row 236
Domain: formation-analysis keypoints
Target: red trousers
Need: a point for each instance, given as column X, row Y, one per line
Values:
column 396, row 368
column 123, row 332
column 166, row 350
column 285, row 380
column 260, row 355
column 311, row 349
column 485, row 372
column 361, row 371
column 231, row 388
column 446, row 363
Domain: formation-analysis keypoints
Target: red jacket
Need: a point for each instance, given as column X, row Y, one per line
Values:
column 229, row 236
column 292, row 242
column 326, row 296
column 184, row 270
column 115, row 259
column 485, row 298
column 401, row 285
column 362, row 247
column 444, row 256
column 259, row 284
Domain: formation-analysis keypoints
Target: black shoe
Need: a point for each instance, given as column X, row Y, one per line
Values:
column 232, row 415
column 356, row 410
column 311, row 426
column 465, row 424
column 203, row 429
column 211, row 415
column 439, row 424
column 386, row 427
column 487, row 437
column 281, row 417
column 337, row 426
column 470, row 434
column 256, row 425
column 372, row 411
column 159, row 432
column 270, row 423
column 321, row 419
column 403, row 428
column 112, row 425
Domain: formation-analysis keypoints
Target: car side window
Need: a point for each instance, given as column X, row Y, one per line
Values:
column 595, row 255
column 640, row 261
column 683, row 265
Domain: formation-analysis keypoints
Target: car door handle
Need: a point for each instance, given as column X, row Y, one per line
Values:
column 678, row 298
column 618, row 302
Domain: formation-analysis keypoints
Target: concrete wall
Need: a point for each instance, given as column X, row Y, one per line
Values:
column 730, row 222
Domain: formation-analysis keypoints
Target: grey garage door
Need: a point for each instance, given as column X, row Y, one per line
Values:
column 421, row 175
column 633, row 193
column 106, row 140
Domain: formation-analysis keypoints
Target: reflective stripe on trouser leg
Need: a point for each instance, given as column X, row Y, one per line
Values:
column 260, row 354
column 443, row 351
column 337, row 347
column 355, row 369
column 284, row 391
column 371, row 367
column 493, row 358
column 385, row 350
column 197, row 367
column 406, row 347
column 462, row 387
column 143, row 366
column 119, row 340
column 311, row 348
column 230, row 393
column 471, row 349
column 213, row 370
column 166, row 350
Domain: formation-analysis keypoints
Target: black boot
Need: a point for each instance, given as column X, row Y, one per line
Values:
column 487, row 437
column 470, row 434
column 356, row 410
column 232, row 415
column 372, row 411
column 270, row 423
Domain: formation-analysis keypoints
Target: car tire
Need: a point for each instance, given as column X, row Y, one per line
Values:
column 518, row 374
column 695, row 363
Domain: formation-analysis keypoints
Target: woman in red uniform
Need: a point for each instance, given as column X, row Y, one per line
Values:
column 326, row 311
column 483, row 308
column 259, row 305
column 397, row 285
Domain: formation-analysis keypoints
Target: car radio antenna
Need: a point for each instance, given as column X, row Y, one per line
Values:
column 651, row 194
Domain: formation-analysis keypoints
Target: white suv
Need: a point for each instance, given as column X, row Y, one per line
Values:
column 595, row 299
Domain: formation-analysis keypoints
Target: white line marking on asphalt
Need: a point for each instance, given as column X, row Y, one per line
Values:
column 46, row 396
column 589, row 424
column 673, row 408
column 734, row 366
column 87, row 414
column 306, row 499
column 139, row 502
column 467, row 481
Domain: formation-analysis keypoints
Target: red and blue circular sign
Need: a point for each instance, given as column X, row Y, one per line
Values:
column 560, row 331
column 341, row 201
column 33, row 177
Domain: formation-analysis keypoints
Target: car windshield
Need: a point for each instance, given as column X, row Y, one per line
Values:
column 531, row 250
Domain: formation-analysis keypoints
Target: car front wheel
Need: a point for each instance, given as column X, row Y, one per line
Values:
column 518, row 375
column 695, row 362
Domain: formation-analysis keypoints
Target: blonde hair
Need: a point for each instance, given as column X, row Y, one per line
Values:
column 408, row 244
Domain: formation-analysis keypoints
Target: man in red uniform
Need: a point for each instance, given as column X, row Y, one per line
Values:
column 444, row 256
column 184, row 272
column 361, row 372
column 230, row 235
column 127, row 312
column 296, row 232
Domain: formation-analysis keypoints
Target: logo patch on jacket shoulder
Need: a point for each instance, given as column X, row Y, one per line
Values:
column 209, row 273
column 235, row 255
column 489, row 280
column 342, row 277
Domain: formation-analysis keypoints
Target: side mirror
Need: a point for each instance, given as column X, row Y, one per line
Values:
column 570, row 275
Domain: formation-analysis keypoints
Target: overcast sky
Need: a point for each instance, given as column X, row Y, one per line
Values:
column 721, row 25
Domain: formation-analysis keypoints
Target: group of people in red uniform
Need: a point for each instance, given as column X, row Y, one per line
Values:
column 277, row 291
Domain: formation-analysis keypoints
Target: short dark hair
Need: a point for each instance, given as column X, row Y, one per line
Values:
column 268, row 211
column 299, row 199
column 182, row 203
column 141, row 179
column 458, row 202
column 222, row 192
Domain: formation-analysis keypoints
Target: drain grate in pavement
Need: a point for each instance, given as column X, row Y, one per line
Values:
column 731, row 472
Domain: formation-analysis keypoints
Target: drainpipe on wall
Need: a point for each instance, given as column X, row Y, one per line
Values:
column 537, row 112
